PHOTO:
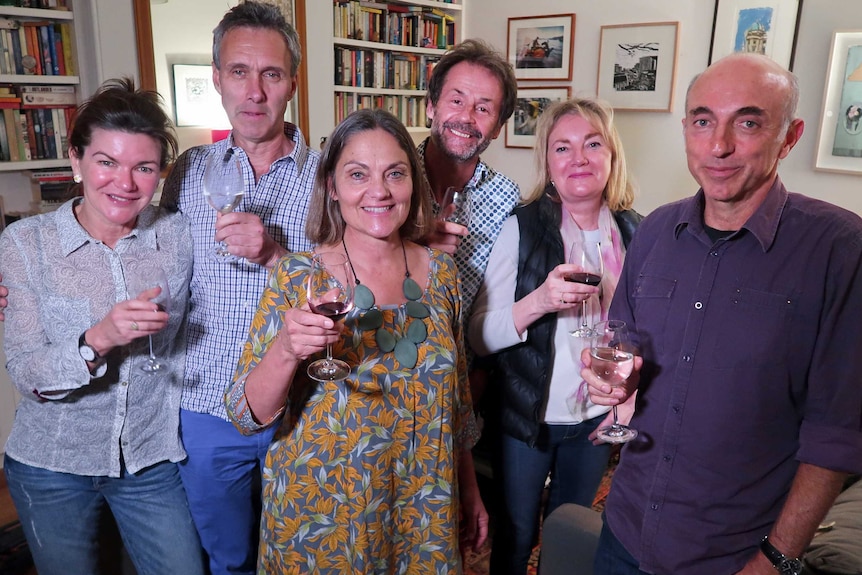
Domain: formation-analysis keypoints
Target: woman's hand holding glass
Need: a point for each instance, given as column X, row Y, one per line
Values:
column 150, row 284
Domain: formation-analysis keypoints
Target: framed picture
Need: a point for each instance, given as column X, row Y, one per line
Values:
column 839, row 142
column 637, row 65
column 531, row 102
column 196, row 102
column 540, row 48
column 761, row 26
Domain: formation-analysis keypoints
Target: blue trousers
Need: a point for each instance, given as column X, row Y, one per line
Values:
column 576, row 467
column 59, row 513
column 612, row 558
column 221, row 476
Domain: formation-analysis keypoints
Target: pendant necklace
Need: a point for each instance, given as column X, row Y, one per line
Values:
column 405, row 344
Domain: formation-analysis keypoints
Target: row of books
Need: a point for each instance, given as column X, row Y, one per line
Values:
column 36, row 47
column 409, row 109
column 401, row 25
column 376, row 69
column 34, row 134
column 54, row 186
column 55, row 4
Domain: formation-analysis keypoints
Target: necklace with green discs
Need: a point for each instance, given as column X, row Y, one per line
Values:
column 405, row 345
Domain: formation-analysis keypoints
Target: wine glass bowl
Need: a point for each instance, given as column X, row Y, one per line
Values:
column 588, row 257
column 330, row 293
column 223, row 189
column 612, row 361
column 455, row 207
column 145, row 278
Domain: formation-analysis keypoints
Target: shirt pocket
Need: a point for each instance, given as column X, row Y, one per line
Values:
column 757, row 325
column 652, row 299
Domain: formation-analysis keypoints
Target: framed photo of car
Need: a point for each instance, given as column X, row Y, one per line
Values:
column 541, row 47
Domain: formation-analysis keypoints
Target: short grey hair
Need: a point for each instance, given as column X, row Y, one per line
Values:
column 260, row 15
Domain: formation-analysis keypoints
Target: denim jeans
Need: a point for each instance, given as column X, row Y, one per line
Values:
column 576, row 467
column 59, row 513
column 222, row 478
column 612, row 558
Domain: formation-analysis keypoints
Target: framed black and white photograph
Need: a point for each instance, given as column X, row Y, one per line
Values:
column 541, row 48
column 531, row 102
column 760, row 26
column 839, row 141
column 196, row 101
column 637, row 65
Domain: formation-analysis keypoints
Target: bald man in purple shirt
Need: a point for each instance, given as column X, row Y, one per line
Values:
column 745, row 300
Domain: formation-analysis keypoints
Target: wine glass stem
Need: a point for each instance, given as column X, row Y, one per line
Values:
column 584, row 323
column 152, row 355
column 329, row 353
column 616, row 421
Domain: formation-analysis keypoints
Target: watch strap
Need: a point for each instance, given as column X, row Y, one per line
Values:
column 82, row 343
column 784, row 564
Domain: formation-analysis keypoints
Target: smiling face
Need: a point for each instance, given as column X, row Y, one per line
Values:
column 120, row 174
column 373, row 184
column 465, row 119
column 736, row 131
column 579, row 159
column 255, row 83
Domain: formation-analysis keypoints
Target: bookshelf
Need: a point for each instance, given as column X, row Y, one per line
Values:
column 38, row 52
column 384, row 52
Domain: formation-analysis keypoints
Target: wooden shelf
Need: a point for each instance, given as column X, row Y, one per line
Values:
column 384, row 47
column 39, row 79
column 40, row 13
column 34, row 165
column 380, row 91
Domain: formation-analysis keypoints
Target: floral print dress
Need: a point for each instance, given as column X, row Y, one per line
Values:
column 361, row 476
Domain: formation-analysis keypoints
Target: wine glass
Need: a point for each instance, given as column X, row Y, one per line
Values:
column 612, row 356
column 146, row 277
column 455, row 207
column 588, row 257
column 330, row 293
column 223, row 188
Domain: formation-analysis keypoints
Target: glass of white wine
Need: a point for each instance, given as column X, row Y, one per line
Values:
column 612, row 355
column 455, row 207
column 140, row 279
column 223, row 188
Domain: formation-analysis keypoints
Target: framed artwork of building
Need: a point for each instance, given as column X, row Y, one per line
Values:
column 839, row 141
column 759, row 26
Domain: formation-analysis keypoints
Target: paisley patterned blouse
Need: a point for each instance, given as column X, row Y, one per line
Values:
column 361, row 476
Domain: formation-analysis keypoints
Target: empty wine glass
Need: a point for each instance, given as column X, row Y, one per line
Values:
column 223, row 188
column 140, row 279
column 455, row 207
column 330, row 293
column 588, row 257
column 612, row 355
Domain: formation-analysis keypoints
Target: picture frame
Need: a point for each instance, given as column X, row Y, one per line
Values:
column 196, row 101
column 530, row 103
column 637, row 65
column 839, row 139
column 762, row 26
column 541, row 47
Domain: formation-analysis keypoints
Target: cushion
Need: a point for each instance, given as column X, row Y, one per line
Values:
column 838, row 551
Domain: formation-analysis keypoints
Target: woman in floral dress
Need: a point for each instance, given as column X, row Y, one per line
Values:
column 372, row 474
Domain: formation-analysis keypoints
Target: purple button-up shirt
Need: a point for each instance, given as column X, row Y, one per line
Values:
column 753, row 358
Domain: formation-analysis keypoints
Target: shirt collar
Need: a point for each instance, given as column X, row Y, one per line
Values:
column 73, row 236
column 483, row 172
column 299, row 155
column 763, row 223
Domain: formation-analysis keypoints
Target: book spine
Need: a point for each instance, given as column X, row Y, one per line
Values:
column 23, row 134
column 9, row 119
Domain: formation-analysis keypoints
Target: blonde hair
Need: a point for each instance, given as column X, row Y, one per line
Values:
column 619, row 191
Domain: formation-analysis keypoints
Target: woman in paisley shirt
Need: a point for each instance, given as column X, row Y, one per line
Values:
column 93, row 430
column 364, row 475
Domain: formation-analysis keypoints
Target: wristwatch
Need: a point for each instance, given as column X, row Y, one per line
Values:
column 87, row 351
column 783, row 564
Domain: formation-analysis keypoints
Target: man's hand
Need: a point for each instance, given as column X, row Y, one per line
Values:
column 602, row 393
column 3, row 303
column 245, row 237
column 447, row 236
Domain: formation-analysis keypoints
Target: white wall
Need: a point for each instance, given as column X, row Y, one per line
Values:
column 653, row 141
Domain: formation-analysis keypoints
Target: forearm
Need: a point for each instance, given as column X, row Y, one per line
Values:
column 268, row 384
column 526, row 311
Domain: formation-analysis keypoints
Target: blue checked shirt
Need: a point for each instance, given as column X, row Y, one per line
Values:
column 224, row 296
column 493, row 196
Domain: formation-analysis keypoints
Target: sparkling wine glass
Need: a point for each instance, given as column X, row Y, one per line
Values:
column 455, row 207
column 588, row 257
column 146, row 277
column 330, row 293
column 612, row 355
column 223, row 188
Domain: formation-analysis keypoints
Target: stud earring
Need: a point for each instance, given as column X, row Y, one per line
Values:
column 77, row 178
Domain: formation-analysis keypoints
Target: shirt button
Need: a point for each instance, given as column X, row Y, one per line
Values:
column 698, row 305
column 676, row 409
column 125, row 383
column 666, row 458
column 686, row 358
column 653, row 506
column 713, row 253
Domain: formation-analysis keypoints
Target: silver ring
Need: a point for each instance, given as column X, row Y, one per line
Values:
column 134, row 326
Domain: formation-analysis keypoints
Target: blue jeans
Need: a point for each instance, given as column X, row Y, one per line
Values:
column 222, row 477
column 59, row 513
column 612, row 558
column 576, row 467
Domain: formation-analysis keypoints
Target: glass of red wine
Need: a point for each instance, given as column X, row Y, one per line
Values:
column 612, row 355
column 330, row 293
column 588, row 257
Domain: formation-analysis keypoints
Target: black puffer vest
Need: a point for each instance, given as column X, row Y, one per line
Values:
column 522, row 370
